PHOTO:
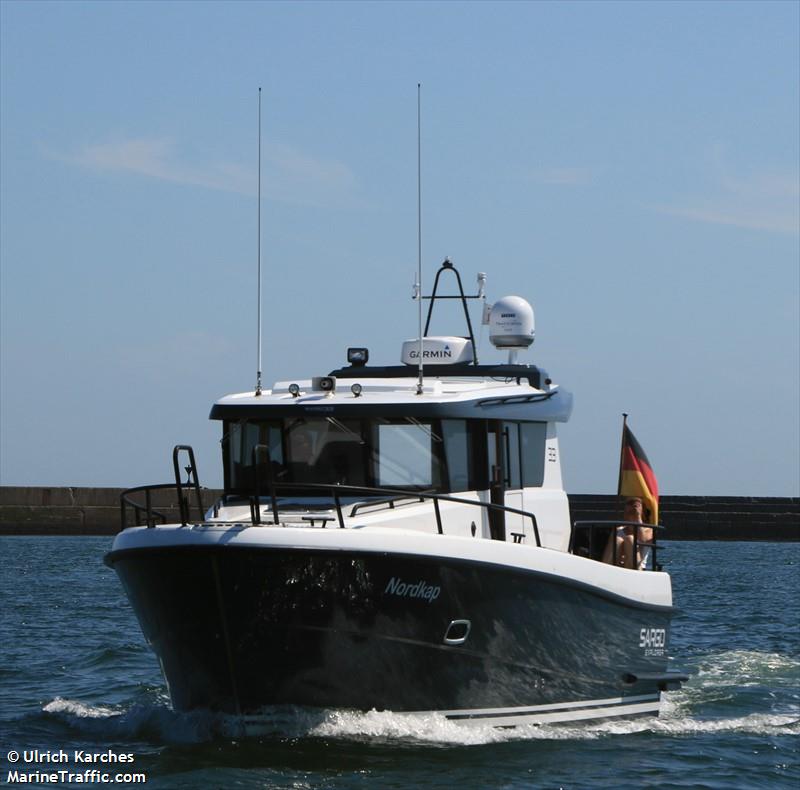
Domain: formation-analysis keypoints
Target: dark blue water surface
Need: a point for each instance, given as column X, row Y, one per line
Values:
column 76, row 674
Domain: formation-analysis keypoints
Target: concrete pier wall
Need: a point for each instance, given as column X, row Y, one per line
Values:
column 96, row 511
column 707, row 517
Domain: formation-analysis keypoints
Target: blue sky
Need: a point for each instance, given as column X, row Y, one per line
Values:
column 629, row 168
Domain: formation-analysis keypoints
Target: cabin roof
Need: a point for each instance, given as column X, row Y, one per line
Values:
column 459, row 396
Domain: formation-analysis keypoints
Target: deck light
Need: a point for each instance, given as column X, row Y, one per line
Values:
column 294, row 389
column 358, row 357
column 356, row 389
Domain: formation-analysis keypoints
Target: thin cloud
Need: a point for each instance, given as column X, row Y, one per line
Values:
column 764, row 200
column 303, row 168
column 156, row 158
column 740, row 217
column 290, row 175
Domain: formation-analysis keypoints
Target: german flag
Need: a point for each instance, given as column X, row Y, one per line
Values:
column 636, row 476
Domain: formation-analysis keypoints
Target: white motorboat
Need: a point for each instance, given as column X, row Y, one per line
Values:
column 398, row 538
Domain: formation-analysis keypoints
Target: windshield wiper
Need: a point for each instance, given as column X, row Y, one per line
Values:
column 342, row 427
column 423, row 427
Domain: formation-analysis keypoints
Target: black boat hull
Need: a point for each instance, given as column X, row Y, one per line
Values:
column 237, row 629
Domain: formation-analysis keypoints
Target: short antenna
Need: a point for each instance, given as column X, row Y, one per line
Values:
column 419, row 232
column 258, row 370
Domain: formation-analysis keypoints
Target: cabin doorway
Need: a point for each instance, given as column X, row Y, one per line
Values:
column 505, row 479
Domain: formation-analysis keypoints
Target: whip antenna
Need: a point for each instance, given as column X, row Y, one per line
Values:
column 419, row 233
column 258, row 371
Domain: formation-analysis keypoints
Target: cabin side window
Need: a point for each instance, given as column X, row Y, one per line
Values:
column 458, row 455
column 523, row 454
column 512, row 461
column 532, row 448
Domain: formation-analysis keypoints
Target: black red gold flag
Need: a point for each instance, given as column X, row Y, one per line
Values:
column 636, row 477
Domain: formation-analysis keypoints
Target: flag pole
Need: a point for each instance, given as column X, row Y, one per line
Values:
column 621, row 452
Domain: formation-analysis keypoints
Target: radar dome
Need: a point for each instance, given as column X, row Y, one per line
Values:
column 511, row 323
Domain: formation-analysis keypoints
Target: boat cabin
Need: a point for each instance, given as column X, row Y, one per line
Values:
column 439, row 443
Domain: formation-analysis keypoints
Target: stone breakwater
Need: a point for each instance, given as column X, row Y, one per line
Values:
column 707, row 517
column 36, row 510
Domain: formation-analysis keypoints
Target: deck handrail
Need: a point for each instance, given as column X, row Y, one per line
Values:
column 593, row 525
column 192, row 482
column 390, row 501
column 337, row 489
column 126, row 501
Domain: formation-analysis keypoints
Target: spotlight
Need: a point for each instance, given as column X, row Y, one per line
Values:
column 358, row 357
column 294, row 389
column 356, row 389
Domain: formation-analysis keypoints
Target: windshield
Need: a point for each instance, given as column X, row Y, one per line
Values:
column 407, row 453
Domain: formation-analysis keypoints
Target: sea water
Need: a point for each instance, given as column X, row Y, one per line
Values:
column 77, row 679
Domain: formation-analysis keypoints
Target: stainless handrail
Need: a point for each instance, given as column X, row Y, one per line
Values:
column 612, row 524
column 126, row 500
column 336, row 490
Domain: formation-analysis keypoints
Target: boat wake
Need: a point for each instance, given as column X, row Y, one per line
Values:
column 432, row 728
column 733, row 691
column 683, row 713
column 151, row 720
column 745, row 668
